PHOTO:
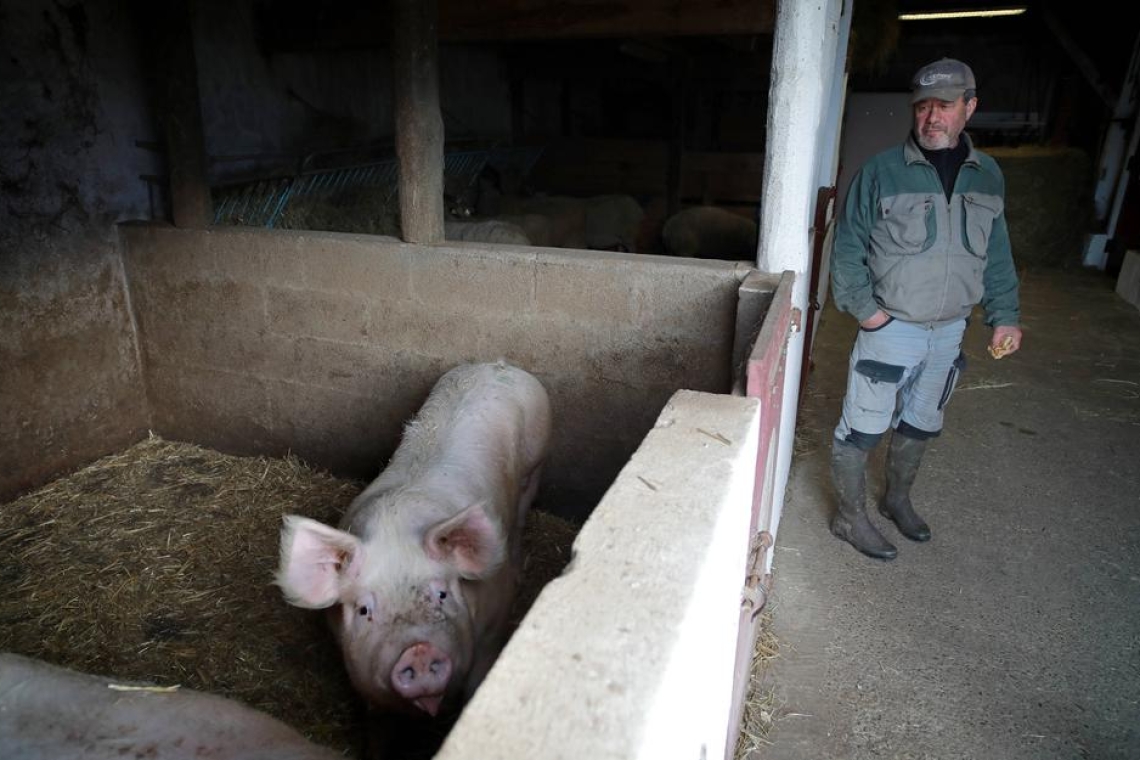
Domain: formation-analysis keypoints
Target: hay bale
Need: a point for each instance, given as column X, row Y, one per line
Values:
column 156, row 565
column 366, row 210
column 1048, row 203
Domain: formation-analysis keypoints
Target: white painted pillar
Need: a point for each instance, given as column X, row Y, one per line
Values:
column 805, row 49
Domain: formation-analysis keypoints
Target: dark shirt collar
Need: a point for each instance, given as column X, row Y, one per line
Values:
column 955, row 155
column 947, row 162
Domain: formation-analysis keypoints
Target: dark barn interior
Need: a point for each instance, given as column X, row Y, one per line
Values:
column 585, row 98
column 161, row 163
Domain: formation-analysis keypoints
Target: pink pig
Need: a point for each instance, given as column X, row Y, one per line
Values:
column 50, row 713
column 422, row 572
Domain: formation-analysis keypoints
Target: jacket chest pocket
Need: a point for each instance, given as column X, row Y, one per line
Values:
column 979, row 212
column 907, row 224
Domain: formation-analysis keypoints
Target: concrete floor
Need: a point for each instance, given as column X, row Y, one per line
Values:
column 1015, row 633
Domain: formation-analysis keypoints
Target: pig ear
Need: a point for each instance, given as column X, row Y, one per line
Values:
column 317, row 562
column 470, row 542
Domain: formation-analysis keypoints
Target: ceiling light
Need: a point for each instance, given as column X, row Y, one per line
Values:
column 943, row 15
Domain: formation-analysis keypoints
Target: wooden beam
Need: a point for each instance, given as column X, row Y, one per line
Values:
column 169, row 45
column 1080, row 58
column 419, row 125
column 566, row 19
column 681, row 70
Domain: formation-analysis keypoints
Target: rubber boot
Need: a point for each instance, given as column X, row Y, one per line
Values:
column 849, row 472
column 903, row 458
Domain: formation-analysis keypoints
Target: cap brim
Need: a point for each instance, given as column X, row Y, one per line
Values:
column 944, row 93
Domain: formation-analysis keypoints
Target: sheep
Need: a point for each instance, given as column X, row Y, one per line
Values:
column 609, row 222
column 708, row 232
column 494, row 231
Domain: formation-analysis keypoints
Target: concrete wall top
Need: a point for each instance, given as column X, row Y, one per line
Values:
column 629, row 654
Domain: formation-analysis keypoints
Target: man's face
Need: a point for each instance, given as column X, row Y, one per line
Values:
column 937, row 123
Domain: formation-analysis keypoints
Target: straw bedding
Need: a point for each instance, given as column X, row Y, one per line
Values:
column 156, row 564
column 761, row 707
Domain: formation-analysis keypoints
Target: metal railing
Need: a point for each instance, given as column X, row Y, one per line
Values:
column 263, row 203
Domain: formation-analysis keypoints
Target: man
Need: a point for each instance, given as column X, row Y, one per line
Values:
column 921, row 241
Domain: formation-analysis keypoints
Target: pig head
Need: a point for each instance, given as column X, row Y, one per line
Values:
column 421, row 572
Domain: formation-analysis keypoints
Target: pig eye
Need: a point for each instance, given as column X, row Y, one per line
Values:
column 437, row 590
column 365, row 607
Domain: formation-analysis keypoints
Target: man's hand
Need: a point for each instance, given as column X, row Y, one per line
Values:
column 876, row 320
column 1005, row 341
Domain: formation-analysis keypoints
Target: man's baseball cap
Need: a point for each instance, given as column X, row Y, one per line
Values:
column 946, row 79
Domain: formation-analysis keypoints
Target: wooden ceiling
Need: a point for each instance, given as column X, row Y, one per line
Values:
column 301, row 25
column 574, row 19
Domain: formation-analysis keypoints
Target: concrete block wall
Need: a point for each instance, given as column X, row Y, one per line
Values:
column 70, row 386
column 263, row 341
column 630, row 653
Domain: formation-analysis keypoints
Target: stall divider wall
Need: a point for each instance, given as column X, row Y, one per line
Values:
column 765, row 375
column 630, row 652
column 71, row 389
column 323, row 344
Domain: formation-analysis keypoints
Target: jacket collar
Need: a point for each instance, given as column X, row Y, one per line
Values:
column 912, row 154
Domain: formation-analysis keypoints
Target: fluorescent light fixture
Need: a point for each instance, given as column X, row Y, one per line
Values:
column 979, row 13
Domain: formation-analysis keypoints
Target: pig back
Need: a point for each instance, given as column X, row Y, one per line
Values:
column 49, row 713
column 482, row 434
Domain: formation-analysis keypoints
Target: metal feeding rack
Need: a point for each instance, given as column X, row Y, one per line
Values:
column 263, row 202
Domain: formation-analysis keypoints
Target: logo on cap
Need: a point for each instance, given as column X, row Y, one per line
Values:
column 946, row 78
column 931, row 77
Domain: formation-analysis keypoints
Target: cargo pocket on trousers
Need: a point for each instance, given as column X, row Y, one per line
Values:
column 879, row 372
column 872, row 395
column 956, row 370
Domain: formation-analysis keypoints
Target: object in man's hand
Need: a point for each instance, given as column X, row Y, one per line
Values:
column 1003, row 348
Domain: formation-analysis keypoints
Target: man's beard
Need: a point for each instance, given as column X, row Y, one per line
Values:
column 939, row 140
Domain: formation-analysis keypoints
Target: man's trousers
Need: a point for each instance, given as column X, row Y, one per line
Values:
column 901, row 375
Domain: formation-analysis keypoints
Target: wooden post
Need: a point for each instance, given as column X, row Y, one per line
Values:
column 419, row 126
column 169, row 40
column 518, row 108
column 680, row 74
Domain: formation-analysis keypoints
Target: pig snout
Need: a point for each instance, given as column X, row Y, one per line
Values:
column 421, row 675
